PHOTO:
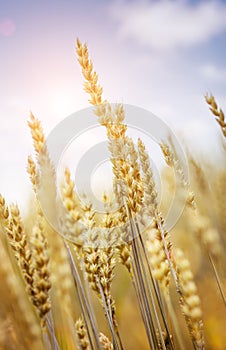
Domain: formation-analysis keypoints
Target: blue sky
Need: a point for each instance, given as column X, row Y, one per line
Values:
column 161, row 55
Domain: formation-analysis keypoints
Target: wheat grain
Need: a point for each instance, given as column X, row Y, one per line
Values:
column 105, row 342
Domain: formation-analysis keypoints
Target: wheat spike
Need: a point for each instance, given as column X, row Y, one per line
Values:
column 190, row 301
column 41, row 273
column 71, row 224
column 91, row 84
column 217, row 112
column 207, row 234
column 157, row 257
column 16, row 303
column 82, row 337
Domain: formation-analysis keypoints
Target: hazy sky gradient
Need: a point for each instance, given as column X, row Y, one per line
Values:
column 160, row 55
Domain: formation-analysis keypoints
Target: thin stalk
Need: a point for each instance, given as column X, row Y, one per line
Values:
column 150, row 292
column 142, row 310
column 88, row 296
column 217, row 279
column 116, row 329
column 46, row 340
column 175, row 323
column 109, row 318
column 85, row 308
column 53, row 340
column 141, row 282
column 144, row 296
column 173, row 272
column 156, row 290
column 149, row 323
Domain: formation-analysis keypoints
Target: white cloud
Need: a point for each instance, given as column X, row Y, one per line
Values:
column 168, row 25
column 210, row 72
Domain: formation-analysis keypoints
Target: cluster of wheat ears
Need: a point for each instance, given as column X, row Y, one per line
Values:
column 58, row 293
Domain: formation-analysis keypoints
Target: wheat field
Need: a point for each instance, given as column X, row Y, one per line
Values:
column 118, row 279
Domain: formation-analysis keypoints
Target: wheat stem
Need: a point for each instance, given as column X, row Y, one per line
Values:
column 217, row 279
column 84, row 304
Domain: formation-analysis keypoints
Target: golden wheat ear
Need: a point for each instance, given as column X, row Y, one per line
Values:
column 16, row 309
column 82, row 335
column 217, row 112
column 189, row 299
column 91, row 85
